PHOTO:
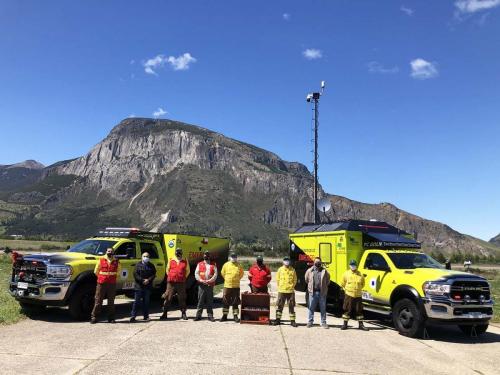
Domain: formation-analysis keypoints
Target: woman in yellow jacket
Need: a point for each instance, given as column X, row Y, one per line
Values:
column 232, row 272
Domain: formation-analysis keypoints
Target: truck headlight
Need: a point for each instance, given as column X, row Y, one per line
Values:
column 59, row 272
column 436, row 289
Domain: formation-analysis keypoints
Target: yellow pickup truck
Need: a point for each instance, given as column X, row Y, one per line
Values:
column 400, row 281
column 68, row 279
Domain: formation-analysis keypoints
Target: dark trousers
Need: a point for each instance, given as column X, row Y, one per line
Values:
column 353, row 308
column 205, row 298
column 280, row 304
column 231, row 297
column 103, row 291
column 172, row 289
column 261, row 289
column 141, row 298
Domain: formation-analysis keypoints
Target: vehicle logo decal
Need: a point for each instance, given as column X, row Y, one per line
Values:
column 124, row 274
column 373, row 283
column 171, row 243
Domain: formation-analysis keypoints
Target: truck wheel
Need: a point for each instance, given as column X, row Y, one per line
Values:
column 82, row 301
column 31, row 309
column 407, row 318
column 467, row 329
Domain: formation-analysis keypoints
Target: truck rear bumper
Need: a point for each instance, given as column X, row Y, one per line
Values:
column 445, row 310
column 49, row 292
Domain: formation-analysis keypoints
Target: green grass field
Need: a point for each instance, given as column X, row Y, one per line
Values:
column 33, row 245
column 10, row 311
column 494, row 279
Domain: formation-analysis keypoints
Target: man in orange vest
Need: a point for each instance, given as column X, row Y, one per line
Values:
column 206, row 275
column 106, row 270
column 177, row 273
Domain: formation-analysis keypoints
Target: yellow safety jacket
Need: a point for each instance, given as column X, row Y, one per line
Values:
column 232, row 274
column 286, row 278
column 353, row 283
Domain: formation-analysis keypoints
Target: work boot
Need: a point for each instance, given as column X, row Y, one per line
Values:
column 211, row 318
column 344, row 326
column 197, row 319
column 184, row 316
column 309, row 325
column 277, row 322
column 293, row 324
column 236, row 319
column 362, row 327
column 132, row 319
column 224, row 318
column 163, row 316
column 93, row 321
column 325, row 326
column 110, row 320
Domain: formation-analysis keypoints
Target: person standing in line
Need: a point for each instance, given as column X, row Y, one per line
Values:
column 260, row 276
column 353, row 283
column 144, row 274
column 177, row 273
column 286, row 279
column 106, row 270
column 206, row 275
column 317, row 279
column 232, row 272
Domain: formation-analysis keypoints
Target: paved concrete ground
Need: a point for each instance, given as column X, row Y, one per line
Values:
column 54, row 344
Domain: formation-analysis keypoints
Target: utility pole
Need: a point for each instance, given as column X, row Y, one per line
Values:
column 314, row 98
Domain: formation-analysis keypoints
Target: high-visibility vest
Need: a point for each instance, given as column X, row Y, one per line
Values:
column 107, row 271
column 177, row 271
column 204, row 274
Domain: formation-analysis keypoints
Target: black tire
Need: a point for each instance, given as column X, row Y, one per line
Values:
column 31, row 309
column 467, row 329
column 407, row 318
column 82, row 301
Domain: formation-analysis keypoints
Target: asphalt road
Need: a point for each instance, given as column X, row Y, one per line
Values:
column 53, row 344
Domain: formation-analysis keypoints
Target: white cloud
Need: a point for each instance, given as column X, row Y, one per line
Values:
column 422, row 69
column 177, row 63
column 159, row 112
column 473, row 6
column 407, row 10
column 312, row 54
column 286, row 16
column 376, row 67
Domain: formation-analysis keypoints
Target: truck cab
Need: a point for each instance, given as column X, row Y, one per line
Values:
column 68, row 279
column 401, row 281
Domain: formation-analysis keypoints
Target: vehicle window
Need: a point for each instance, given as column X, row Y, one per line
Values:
column 126, row 250
column 325, row 252
column 149, row 248
column 413, row 260
column 92, row 247
column 376, row 262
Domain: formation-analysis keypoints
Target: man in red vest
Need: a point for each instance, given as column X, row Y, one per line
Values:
column 206, row 275
column 106, row 270
column 177, row 273
column 259, row 275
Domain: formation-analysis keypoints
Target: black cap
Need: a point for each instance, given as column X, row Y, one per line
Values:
column 286, row 258
column 206, row 253
column 260, row 258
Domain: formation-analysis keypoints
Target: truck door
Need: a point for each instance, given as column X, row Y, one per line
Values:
column 126, row 252
column 377, row 279
column 156, row 258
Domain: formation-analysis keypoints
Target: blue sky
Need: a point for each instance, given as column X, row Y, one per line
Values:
column 410, row 114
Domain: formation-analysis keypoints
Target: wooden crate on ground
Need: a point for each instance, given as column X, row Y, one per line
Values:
column 255, row 308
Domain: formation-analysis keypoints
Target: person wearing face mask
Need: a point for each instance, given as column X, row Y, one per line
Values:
column 259, row 275
column 286, row 279
column 106, row 270
column 144, row 274
column 352, row 283
column 317, row 279
column 232, row 272
column 177, row 273
column 206, row 275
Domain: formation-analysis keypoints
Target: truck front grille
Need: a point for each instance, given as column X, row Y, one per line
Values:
column 29, row 271
column 475, row 290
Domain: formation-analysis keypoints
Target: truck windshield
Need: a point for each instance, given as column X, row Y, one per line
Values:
column 92, row 247
column 413, row 260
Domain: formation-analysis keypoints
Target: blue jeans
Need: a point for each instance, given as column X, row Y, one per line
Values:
column 141, row 297
column 313, row 302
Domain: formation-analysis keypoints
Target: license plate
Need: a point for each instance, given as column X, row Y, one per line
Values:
column 128, row 285
column 476, row 315
column 366, row 296
column 21, row 285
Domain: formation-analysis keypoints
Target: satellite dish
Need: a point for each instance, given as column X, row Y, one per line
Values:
column 324, row 205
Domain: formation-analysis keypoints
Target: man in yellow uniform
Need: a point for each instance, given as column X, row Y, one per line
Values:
column 286, row 278
column 232, row 272
column 353, row 283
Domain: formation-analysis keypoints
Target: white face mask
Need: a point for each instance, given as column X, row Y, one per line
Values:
column 353, row 268
column 145, row 259
column 286, row 263
column 233, row 260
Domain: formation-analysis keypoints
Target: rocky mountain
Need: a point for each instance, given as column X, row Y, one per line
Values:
column 165, row 175
column 496, row 240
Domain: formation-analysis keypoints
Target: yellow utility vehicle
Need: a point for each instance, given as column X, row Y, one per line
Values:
column 68, row 279
column 400, row 280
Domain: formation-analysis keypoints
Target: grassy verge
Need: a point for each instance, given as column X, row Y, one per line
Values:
column 493, row 277
column 10, row 311
column 32, row 245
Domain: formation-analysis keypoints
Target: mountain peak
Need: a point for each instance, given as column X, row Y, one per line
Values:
column 28, row 164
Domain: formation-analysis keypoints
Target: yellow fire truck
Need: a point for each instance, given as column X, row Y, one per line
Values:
column 400, row 280
column 67, row 278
